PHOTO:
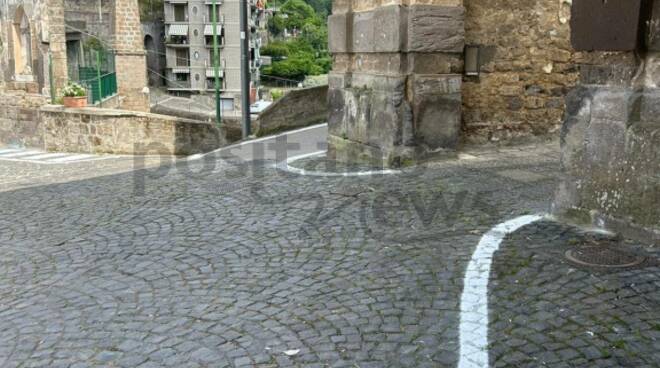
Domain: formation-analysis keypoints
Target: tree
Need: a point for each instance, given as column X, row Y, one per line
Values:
column 151, row 10
column 322, row 7
column 306, row 54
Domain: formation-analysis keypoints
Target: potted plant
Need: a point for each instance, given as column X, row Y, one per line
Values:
column 74, row 95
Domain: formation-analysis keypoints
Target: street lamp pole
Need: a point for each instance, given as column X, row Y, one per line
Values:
column 245, row 69
column 216, row 63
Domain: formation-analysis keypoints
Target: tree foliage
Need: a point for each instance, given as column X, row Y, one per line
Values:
column 151, row 10
column 305, row 54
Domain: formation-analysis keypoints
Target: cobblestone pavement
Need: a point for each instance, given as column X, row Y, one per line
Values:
column 213, row 263
column 17, row 175
column 547, row 311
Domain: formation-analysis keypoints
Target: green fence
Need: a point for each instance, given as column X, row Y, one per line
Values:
column 96, row 72
column 108, row 83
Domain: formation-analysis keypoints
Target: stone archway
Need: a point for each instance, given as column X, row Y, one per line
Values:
column 21, row 35
column 152, row 59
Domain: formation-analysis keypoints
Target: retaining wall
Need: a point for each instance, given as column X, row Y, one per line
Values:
column 93, row 130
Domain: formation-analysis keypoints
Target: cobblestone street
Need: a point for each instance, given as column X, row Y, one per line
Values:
column 220, row 262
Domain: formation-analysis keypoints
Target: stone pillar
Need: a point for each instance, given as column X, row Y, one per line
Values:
column 130, row 56
column 395, row 87
column 57, row 44
column 610, row 138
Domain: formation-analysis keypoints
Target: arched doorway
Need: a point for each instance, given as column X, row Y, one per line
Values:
column 152, row 60
column 22, row 45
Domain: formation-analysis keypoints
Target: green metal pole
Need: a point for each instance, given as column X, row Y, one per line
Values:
column 216, row 64
column 50, row 77
column 98, row 75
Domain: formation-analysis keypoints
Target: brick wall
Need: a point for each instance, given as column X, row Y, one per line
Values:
column 130, row 57
column 57, row 42
column 93, row 130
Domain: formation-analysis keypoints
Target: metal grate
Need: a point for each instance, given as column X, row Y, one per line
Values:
column 604, row 257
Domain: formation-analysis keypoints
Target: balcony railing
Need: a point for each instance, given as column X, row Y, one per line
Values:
column 175, row 84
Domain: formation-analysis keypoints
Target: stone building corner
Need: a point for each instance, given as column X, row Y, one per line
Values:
column 130, row 57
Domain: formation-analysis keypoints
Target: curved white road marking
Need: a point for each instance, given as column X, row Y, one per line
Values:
column 473, row 327
column 284, row 166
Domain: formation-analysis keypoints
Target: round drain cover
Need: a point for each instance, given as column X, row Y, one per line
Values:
column 599, row 256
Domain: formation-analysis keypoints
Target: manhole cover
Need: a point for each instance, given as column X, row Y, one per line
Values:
column 603, row 257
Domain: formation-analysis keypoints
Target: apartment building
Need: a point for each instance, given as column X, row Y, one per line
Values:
column 189, row 45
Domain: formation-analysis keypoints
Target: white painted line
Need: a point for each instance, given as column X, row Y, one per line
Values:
column 473, row 328
column 221, row 149
column 307, row 155
column 8, row 150
column 72, row 158
column 466, row 156
column 46, row 156
column 19, row 154
column 284, row 166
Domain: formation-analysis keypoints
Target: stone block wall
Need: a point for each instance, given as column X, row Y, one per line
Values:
column 610, row 141
column 93, row 130
column 20, row 124
column 394, row 94
column 297, row 109
column 398, row 84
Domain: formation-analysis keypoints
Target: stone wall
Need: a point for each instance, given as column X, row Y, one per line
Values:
column 20, row 124
column 86, row 15
column 155, row 49
column 611, row 159
column 93, row 130
column 42, row 37
column 611, row 142
column 298, row 108
column 527, row 67
column 399, row 88
column 130, row 56
column 394, row 92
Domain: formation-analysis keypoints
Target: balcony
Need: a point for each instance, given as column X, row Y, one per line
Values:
column 177, row 35
column 210, row 84
column 176, row 84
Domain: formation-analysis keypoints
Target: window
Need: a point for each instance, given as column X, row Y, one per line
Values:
column 208, row 35
column 182, row 57
column 180, row 13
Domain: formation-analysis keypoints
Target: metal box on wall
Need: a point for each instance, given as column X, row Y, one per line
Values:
column 606, row 25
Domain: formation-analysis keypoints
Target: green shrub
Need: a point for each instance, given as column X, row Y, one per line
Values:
column 276, row 94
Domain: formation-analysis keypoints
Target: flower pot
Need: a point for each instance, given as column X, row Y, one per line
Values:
column 75, row 101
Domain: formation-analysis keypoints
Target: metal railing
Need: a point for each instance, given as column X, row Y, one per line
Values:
column 99, row 85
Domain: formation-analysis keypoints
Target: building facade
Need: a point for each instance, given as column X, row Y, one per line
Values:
column 25, row 44
column 52, row 41
column 189, row 46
